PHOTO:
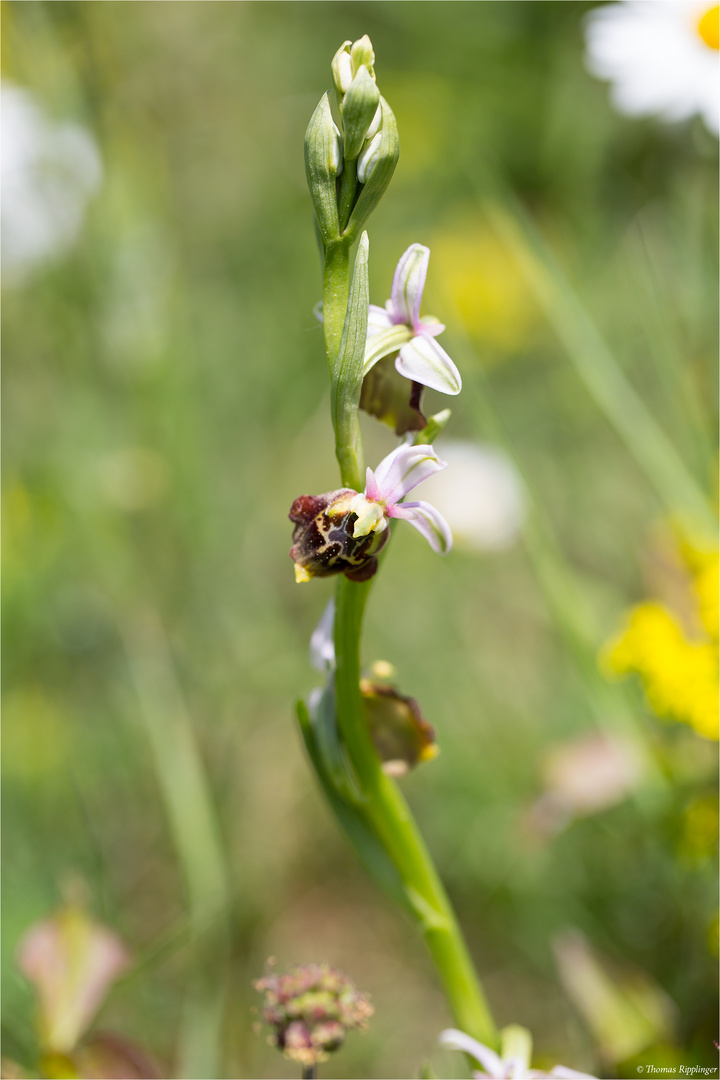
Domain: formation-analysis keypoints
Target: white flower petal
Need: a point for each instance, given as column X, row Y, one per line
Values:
column 378, row 319
column 656, row 59
column 402, row 470
column 453, row 1039
column 428, row 521
column 426, row 362
column 322, row 643
column 408, row 284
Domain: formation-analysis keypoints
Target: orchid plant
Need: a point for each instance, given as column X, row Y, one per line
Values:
column 361, row 734
column 380, row 359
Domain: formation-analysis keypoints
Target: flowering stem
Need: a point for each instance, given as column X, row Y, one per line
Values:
column 380, row 800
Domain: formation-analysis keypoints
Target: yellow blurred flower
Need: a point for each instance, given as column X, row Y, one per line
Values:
column 486, row 286
column 679, row 667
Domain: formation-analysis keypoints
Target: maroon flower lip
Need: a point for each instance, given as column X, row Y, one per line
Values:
column 342, row 531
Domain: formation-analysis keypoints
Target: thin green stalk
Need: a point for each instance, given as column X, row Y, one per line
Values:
column 603, row 376
column 196, row 836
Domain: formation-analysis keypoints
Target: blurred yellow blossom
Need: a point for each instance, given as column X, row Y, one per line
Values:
column 486, row 286
column 678, row 666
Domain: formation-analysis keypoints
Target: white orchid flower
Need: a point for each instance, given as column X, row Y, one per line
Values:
column 513, row 1067
column 399, row 328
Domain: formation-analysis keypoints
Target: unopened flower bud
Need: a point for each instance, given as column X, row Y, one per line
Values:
column 347, row 62
column 374, row 123
column 359, row 107
column 323, row 540
column 362, row 54
column 311, row 1009
column 369, row 157
column 323, row 164
column 376, row 164
column 342, row 71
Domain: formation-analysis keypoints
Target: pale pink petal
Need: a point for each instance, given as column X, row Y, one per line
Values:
column 402, row 470
column 430, row 326
column 493, row 1065
column 428, row 521
column 426, row 362
column 408, row 284
column 372, row 491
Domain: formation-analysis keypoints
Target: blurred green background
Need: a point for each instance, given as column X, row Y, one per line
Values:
column 165, row 396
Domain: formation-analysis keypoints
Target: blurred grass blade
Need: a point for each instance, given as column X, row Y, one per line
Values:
column 596, row 365
column 196, row 836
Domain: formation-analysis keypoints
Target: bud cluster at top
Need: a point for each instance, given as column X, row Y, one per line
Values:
column 311, row 1008
column 349, row 168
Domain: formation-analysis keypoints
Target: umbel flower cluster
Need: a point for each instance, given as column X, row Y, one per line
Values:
column 310, row 1009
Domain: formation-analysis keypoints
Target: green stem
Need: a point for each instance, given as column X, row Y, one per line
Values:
column 336, row 288
column 390, row 816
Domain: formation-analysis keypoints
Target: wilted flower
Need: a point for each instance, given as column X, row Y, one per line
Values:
column 511, row 1067
column 662, row 58
column 311, row 1009
column 400, row 733
column 342, row 531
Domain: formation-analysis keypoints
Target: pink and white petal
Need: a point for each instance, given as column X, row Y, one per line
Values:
column 378, row 320
column 402, row 470
column 429, row 326
column 372, row 491
column 452, row 1039
column 426, row 362
column 428, row 521
column 408, row 284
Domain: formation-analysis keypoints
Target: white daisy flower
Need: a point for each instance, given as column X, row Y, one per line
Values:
column 481, row 496
column 661, row 57
column 49, row 172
